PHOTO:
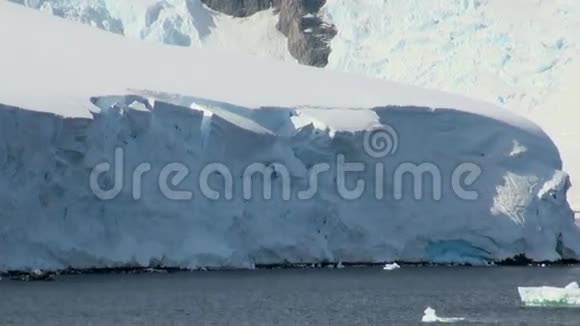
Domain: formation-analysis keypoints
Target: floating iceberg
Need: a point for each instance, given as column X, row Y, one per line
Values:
column 430, row 316
column 572, row 286
column 547, row 296
column 391, row 267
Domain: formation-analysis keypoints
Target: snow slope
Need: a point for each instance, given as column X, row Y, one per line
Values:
column 175, row 22
column 520, row 54
column 71, row 95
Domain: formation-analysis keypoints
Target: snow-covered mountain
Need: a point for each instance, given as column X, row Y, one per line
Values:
column 522, row 54
column 73, row 97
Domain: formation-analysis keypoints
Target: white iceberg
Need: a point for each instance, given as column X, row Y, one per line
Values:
column 391, row 267
column 572, row 286
column 547, row 296
column 430, row 316
column 65, row 110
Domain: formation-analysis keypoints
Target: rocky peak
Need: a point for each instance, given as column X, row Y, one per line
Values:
column 308, row 35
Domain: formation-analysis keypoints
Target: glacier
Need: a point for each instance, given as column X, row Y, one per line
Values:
column 520, row 55
column 70, row 96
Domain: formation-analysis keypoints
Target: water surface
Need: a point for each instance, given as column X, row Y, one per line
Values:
column 351, row 296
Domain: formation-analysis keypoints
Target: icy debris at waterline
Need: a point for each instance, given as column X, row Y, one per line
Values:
column 391, row 267
column 430, row 316
column 36, row 275
column 547, row 296
column 56, row 127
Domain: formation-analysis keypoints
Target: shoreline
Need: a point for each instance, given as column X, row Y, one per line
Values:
column 26, row 275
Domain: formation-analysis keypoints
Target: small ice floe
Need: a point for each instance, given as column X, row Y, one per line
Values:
column 547, row 296
column 36, row 275
column 391, row 267
column 430, row 316
column 152, row 270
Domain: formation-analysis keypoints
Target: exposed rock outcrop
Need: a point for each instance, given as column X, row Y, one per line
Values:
column 238, row 8
column 308, row 35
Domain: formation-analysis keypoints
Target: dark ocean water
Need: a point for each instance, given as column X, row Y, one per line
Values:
column 351, row 296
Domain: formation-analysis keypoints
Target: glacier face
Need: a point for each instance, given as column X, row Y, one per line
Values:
column 60, row 118
column 53, row 219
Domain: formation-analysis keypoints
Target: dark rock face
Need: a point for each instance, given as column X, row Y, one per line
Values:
column 238, row 8
column 308, row 35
